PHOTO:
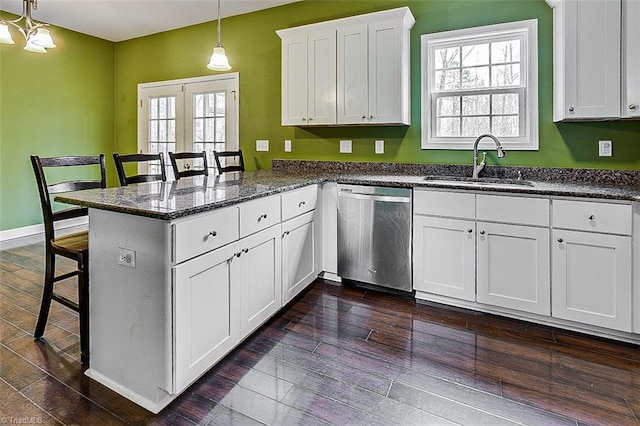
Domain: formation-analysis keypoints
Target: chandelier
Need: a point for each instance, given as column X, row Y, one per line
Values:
column 219, row 60
column 37, row 36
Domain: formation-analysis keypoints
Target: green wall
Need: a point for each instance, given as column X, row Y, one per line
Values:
column 81, row 97
column 254, row 51
column 59, row 103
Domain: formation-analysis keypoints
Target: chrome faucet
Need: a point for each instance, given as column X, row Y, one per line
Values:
column 477, row 168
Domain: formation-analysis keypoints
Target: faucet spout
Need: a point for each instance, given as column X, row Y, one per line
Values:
column 477, row 168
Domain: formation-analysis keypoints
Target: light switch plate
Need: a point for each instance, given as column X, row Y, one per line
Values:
column 262, row 145
column 379, row 147
column 345, row 147
column 287, row 145
column 605, row 148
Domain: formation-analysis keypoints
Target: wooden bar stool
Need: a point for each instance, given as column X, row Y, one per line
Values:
column 189, row 169
column 125, row 180
column 73, row 246
column 229, row 154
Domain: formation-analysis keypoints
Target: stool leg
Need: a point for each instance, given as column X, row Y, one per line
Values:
column 83, row 303
column 47, row 292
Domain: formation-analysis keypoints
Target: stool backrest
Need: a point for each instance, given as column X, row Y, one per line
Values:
column 229, row 154
column 121, row 160
column 189, row 171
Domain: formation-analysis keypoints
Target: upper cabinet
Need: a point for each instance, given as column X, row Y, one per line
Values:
column 349, row 71
column 595, row 50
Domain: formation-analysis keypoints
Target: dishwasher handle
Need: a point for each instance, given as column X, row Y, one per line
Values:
column 374, row 197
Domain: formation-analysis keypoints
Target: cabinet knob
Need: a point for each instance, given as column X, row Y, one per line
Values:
column 211, row 234
column 560, row 240
column 469, row 230
column 364, row 117
column 633, row 107
column 245, row 250
column 285, row 233
column 592, row 217
column 481, row 232
column 310, row 118
column 304, row 119
column 371, row 117
column 571, row 109
column 262, row 216
column 301, row 203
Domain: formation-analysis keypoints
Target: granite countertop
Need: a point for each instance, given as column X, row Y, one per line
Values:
column 174, row 199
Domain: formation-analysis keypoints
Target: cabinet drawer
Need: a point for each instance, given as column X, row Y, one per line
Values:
column 204, row 233
column 439, row 203
column 592, row 216
column 509, row 209
column 258, row 215
column 299, row 201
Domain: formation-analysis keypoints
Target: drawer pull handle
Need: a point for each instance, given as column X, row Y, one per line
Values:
column 481, row 232
column 592, row 217
column 245, row 250
column 210, row 234
column 285, row 233
column 262, row 216
column 469, row 230
column 301, row 203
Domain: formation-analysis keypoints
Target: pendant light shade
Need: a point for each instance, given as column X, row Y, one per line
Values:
column 37, row 36
column 219, row 60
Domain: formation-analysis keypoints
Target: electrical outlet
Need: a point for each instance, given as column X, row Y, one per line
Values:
column 379, row 147
column 262, row 145
column 606, row 148
column 345, row 147
column 287, row 145
column 127, row 257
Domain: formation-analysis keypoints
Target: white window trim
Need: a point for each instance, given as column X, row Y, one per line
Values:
column 529, row 140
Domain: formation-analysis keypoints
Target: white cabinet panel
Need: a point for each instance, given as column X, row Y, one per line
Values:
column 353, row 70
column 441, row 203
column 299, row 201
column 513, row 267
column 294, row 81
column 300, row 255
column 513, row 209
column 259, row 214
column 321, row 85
column 444, row 256
column 592, row 216
column 592, row 278
column 206, row 295
column 631, row 58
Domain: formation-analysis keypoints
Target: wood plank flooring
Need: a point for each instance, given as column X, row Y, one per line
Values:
column 337, row 355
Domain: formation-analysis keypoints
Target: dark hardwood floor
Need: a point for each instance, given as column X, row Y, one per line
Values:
column 337, row 355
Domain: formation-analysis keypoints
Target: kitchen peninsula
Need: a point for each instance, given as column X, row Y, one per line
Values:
column 181, row 272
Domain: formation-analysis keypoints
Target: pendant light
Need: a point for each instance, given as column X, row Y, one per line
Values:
column 37, row 37
column 219, row 60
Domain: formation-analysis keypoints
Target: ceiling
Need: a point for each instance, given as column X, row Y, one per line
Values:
column 118, row 20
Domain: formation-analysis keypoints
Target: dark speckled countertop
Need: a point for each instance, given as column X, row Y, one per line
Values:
column 171, row 200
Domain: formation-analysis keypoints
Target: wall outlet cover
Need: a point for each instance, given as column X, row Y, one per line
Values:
column 345, row 147
column 126, row 257
column 379, row 147
column 605, row 148
column 262, row 145
column 287, row 145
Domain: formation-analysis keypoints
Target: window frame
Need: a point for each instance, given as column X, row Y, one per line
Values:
column 527, row 31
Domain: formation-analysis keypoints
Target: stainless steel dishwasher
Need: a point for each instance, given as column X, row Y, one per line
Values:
column 374, row 236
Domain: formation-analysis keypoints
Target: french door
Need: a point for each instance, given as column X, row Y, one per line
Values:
column 196, row 114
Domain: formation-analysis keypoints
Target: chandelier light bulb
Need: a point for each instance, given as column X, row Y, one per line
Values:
column 5, row 35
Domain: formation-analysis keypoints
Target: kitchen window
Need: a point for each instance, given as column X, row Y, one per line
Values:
column 195, row 114
column 481, row 80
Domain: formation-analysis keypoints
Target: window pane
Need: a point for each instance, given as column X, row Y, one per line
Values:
column 153, row 108
column 447, row 58
column 198, row 130
column 474, row 126
column 162, row 107
column 210, row 131
column 448, row 127
column 153, row 148
column 505, row 51
column 162, row 131
column 171, row 130
column 475, row 77
column 475, row 105
column 221, row 103
column 475, row 55
column 220, row 130
column 505, row 75
column 153, row 130
column 505, row 125
column 447, row 80
column 171, row 107
column 448, row 106
column 198, row 101
column 505, row 104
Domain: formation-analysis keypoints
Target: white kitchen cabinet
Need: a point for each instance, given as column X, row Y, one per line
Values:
column 592, row 263
column 309, row 79
column 260, row 278
column 300, row 255
column 348, row 71
column 631, row 58
column 444, row 260
column 513, row 267
column 206, row 299
column 373, row 62
column 596, row 55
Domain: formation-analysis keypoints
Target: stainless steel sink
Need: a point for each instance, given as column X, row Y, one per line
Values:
column 468, row 181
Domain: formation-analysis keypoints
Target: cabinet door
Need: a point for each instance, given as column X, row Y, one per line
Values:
column 631, row 58
column 299, row 255
column 352, row 81
column 321, row 89
column 514, row 267
column 261, row 277
column 591, row 277
column 294, row 81
column 444, row 257
column 387, row 84
column 206, row 297
column 592, row 55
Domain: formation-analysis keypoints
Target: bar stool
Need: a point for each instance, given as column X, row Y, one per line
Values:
column 229, row 154
column 73, row 246
column 189, row 170
column 125, row 180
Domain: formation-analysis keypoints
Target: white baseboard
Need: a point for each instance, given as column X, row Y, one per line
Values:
column 26, row 231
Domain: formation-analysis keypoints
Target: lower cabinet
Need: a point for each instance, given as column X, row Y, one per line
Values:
column 513, row 267
column 206, row 299
column 300, row 255
column 592, row 278
column 444, row 256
